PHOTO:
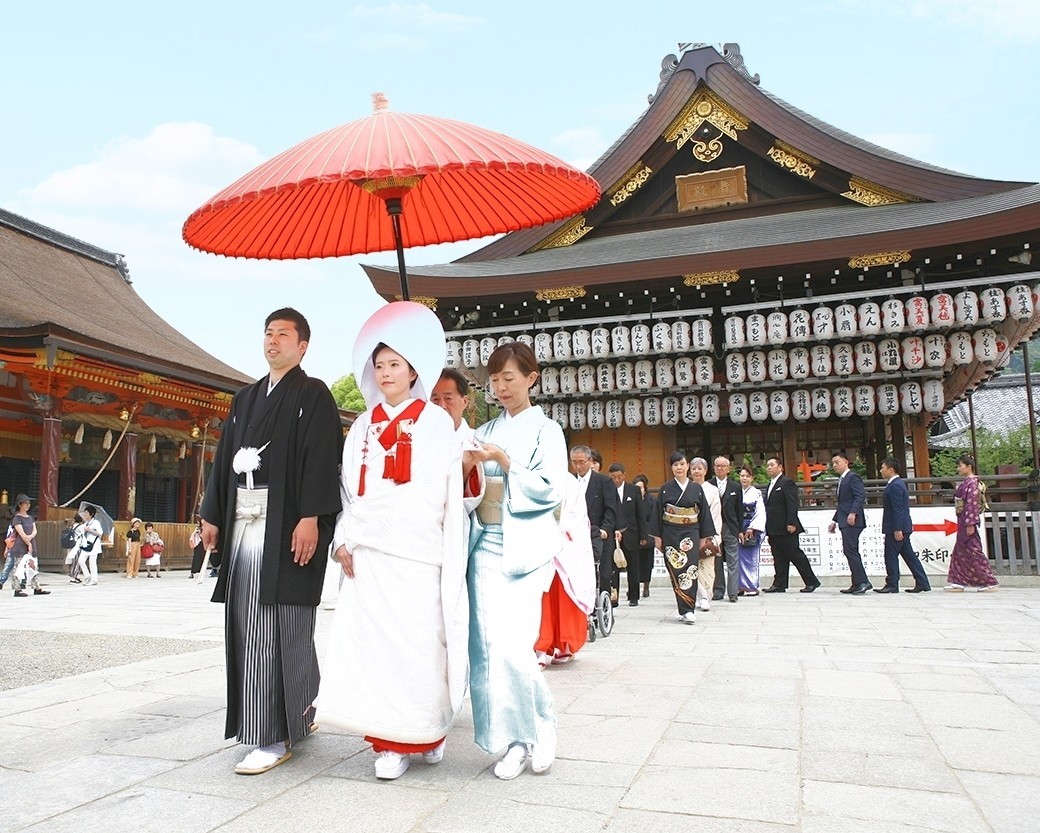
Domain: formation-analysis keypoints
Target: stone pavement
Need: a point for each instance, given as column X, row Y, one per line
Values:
column 789, row 713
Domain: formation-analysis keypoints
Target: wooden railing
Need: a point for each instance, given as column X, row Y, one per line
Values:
column 177, row 553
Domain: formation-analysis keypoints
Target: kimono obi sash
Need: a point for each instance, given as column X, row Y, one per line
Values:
column 490, row 508
column 681, row 515
column 250, row 504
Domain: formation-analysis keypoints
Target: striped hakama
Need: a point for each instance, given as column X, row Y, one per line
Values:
column 270, row 648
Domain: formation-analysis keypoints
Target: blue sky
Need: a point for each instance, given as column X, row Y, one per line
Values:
column 118, row 119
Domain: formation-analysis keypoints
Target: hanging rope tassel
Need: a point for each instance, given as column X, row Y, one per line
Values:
column 389, row 468
column 403, row 459
column 361, row 483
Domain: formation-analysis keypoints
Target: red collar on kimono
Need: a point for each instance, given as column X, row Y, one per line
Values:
column 398, row 465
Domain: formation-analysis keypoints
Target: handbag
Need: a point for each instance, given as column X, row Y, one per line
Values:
column 619, row 558
column 710, row 550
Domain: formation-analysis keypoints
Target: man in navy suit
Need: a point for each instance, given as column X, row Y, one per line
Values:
column 727, row 582
column 629, row 530
column 601, row 501
column 897, row 526
column 783, row 529
column 850, row 518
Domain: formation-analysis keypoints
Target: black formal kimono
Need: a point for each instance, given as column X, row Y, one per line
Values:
column 681, row 520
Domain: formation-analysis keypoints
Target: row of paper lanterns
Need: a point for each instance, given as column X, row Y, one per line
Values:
column 845, row 321
column 912, row 353
column 802, row 404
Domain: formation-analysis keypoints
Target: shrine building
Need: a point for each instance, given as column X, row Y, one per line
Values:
column 753, row 281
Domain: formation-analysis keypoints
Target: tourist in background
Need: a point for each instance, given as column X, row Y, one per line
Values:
column 133, row 548
column 22, row 553
column 152, row 547
column 752, row 528
column 90, row 546
column 969, row 567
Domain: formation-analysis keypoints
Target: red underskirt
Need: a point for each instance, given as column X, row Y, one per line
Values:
column 380, row 745
column 564, row 627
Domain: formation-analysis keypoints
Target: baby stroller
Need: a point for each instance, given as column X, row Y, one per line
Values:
column 602, row 616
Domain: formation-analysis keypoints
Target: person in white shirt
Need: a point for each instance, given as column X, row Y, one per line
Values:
column 706, row 564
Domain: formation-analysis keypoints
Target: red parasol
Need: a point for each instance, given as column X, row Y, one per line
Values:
column 345, row 191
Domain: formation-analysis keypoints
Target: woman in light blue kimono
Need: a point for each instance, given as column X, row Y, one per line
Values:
column 514, row 537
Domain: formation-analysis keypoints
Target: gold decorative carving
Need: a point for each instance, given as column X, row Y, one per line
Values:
column 710, row 189
column 870, row 193
column 707, row 278
column 426, row 300
column 705, row 106
column 793, row 160
column 634, row 179
column 560, row 293
column 879, row 259
column 570, row 233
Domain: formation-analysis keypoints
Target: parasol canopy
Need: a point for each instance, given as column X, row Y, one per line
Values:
column 389, row 180
column 107, row 524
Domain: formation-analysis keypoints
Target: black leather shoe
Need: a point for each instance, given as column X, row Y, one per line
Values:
column 774, row 589
column 919, row 589
column 809, row 588
column 633, row 602
column 860, row 589
column 886, row 589
column 717, row 597
column 733, row 598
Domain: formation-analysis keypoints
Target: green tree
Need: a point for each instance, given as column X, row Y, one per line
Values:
column 994, row 449
column 479, row 411
column 347, row 394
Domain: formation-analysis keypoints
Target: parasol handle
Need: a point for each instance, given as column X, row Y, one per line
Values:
column 393, row 208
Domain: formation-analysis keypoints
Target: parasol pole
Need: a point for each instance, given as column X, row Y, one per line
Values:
column 393, row 208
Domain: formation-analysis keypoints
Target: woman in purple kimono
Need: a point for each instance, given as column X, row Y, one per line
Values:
column 969, row 566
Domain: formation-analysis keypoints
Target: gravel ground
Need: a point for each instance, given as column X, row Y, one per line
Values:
column 42, row 655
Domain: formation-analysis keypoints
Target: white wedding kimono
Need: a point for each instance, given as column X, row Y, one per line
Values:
column 396, row 665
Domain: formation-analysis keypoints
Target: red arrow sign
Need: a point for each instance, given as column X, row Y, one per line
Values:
column 946, row 527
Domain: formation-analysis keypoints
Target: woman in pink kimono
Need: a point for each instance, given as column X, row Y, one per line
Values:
column 969, row 566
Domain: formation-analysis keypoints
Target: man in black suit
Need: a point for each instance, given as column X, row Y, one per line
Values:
column 600, row 500
column 629, row 530
column 850, row 518
column 897, row 527
column 727, row 583
column 783, row 529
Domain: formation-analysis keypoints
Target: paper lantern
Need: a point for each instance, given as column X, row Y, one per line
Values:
column 504, row 340
column 596, row 410
column 621, row 340
column 869, row 318
column 704, row 370
column 799, row 325
column 615, row 413
column 562, row 345
column 887, row 399
column 546, row 409
column 734, row 332
column 910, row 398
column 542, row 349
column 664, row 373
column 800, row 362
column 576, row 416
column 661, row 336
column 684, row 372
column 471, row 353
column 600, row 343
column 985, row 344
column 644, row 374
column 641, row 340
column 843, row 402
column 821, row 403
column 933, row 396
column 453, row 354
column 845, row 321
column 889, row 355
column 866, row 357
column 691, row 409
column 536, row 388
column 586, row 379
column 757, row 369
column 633, row 413
column 624, row 373
column 912, row 351
column 736, row 368
column 710, row 408
column 821, row 361
column 652, row 411
column 779, row 406
column 487, row 347
column 966, row 308
column 940, row 310
column 680, row 336
column 550, row 378
column 700, row 338
column 525, row 338
column 917, row 313
column 605, row 377
column 755, row 329
column 581, row 344
column 893, row 316
column 961, row 349
column 935, row 350
column 1020, row 302
column 758, row 406
column 559, row 414
column 738, row 408
column 569, row 379
column 843, row 359
column 776, row 328
column 801, row 405
column 777, row 361
column 823, row 322
column 992, row 305
column 670, row 410
column 865, row 401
